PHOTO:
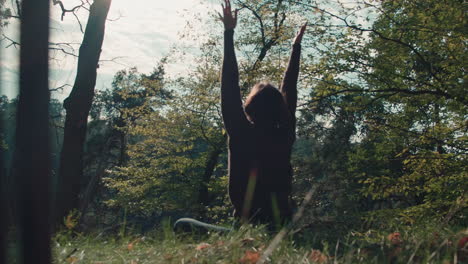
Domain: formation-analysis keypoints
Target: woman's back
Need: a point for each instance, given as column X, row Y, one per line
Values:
column 261, row 134
column 260, row 172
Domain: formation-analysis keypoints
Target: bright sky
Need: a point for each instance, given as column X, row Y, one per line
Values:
column 143, row 33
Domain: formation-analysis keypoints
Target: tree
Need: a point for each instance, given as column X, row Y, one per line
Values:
column 77, row 107
column 113, row 112
column 32, row 152
column 179, row 162
column 396, row 66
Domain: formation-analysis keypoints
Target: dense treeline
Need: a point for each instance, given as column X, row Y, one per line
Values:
column 382, row 128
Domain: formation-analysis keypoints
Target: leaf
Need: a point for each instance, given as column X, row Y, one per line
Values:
column 71, row 220
column 202, row 246
column 250, row 257
column 132, row 244
column 72, row 259
column 316, row 256
column 395, row 238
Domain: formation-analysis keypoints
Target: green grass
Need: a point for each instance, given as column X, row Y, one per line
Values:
column 412, row 245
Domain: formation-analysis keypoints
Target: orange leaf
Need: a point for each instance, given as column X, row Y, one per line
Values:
column 202, row 246
column 130, row 246
column 250, row 257
column 395, row 238
column 317, row 256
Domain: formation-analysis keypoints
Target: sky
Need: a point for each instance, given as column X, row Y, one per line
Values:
column 138, row 33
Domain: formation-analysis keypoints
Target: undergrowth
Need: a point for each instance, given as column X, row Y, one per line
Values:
column 429, row 244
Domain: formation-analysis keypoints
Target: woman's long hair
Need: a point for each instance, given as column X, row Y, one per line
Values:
column 265, row 106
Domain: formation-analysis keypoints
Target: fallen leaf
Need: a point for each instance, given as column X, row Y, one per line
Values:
column 250, row 257
column 72, row 259
column 462, row 249
column 463, row 243
column 317, row 256
column 132, row 244
column 220, row 243
column 202, row 246
column 395, row 238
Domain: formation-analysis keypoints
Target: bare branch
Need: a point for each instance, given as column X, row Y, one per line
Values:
column 18, row 8
column 378, row 33
column 60, row 88
column 13, row 43
column 64, row 10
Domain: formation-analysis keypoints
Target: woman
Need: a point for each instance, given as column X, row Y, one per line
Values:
column 261, row 134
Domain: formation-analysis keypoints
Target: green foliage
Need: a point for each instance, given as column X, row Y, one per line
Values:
column 392, row 71
column 172, row 148
column 381, row 129
column 168, row 149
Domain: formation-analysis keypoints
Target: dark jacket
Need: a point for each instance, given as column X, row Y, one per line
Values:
column 260, row 173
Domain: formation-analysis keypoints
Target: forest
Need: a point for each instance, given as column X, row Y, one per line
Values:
column 379, row 162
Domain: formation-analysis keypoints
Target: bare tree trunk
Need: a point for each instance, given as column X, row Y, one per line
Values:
column 77, row 106
column 31, row 165
column 4, row 221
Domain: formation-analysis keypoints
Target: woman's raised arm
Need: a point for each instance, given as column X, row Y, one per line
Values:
column 289, row 85
column 231, row 103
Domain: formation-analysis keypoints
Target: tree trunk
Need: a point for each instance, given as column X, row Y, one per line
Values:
column 90, row 191
column 32, row 163
column 123, row 148
column 77, row 107
column 203, row 193
column 4, row 221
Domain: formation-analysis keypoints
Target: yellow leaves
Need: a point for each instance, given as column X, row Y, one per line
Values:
column 71, row 221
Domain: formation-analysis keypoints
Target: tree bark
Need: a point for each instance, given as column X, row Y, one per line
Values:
column 77, row 107
column 32, row 163
column 203, row 194
column 90, row 191
column 4, row 221
column 213, row 157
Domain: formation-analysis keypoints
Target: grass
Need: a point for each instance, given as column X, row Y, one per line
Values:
column 246, row 245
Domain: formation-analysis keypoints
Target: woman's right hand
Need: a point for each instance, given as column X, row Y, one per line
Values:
column 300, row 34
column 229, row 18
